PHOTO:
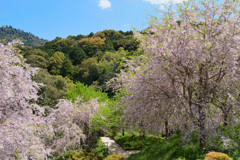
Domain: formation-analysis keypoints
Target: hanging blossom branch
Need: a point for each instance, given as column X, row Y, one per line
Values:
column 69, row 122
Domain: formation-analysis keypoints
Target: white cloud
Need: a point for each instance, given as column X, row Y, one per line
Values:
column 104, row 4
column 126, row 25
column 162, row 1
column 161, row 7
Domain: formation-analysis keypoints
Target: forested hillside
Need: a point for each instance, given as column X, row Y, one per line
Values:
column 8, row 33
column 90, row 59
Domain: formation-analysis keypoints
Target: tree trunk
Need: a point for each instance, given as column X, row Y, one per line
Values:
column 201, row 125
column 166, row 129
column 225, row 119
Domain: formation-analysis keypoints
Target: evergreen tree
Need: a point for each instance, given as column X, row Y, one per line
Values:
column 77, row 55
column 67, row 69
column 109, row 46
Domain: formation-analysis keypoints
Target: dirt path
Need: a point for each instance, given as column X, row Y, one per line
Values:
column 113, row 147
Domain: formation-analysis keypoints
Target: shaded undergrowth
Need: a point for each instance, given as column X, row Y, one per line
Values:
column 169, row 150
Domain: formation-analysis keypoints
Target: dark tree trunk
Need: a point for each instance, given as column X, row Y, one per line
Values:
column 166, row 129
column 201, row 125
column 225, row 119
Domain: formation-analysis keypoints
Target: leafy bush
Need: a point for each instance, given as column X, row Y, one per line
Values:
column 134, row 141
column 86, row 92
column 115, row 157
column 217, row 156
column 100, row 149
column 78, row 155
column 170, row 149
column 109, row 117
column 228, row 141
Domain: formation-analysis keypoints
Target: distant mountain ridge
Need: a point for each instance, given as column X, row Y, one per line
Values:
column 8, row 33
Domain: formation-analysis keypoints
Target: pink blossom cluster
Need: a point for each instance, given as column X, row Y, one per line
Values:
column 68, row 122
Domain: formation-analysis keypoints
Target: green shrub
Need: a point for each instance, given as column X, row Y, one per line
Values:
column 78, row 155
column 86, row 92
column 217, row 156
column 171, row 149
column 134, row 141
column 100, row 149
column 115, row 157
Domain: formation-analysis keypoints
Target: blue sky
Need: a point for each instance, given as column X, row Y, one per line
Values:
column 51, row 18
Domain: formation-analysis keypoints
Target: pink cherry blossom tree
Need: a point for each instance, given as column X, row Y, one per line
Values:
column 191, row 63
column 70, row 121
column 24, row 132
column 16, row 87
column 19, row 127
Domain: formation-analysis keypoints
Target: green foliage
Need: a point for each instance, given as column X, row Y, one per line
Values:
column 56, row 62
column 127, row 33
column 136, row 141
column 87, row 92
column 175, row 148
column 67, row 69
column 96, row 57
column 109, row 66
column 35, row 57
column 115, row 157
column 8, row 34
column 235, row 154
column 229, row 141
column 89, row 50
column 86, row 52
column 217, row 156
column 108, row 46
column 91, row 45
column 70, row 83
column 27, row 51
column 78, row 155
column 100, row 149
column 57, row 44
column 54, row 88
column 117, row 39
column 168, row 150
column 232, row 132
column 128, row 43
column 109, row 34
column 95, row 42
column 108, row 118
column 112, row 58
column 37, row 61
column 88, row 71
column 76, row 54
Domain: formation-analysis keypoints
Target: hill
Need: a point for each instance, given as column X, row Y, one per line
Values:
column 91, row 59
column 8, row 33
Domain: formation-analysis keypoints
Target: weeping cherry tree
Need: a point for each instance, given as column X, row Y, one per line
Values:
column 190, row 66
